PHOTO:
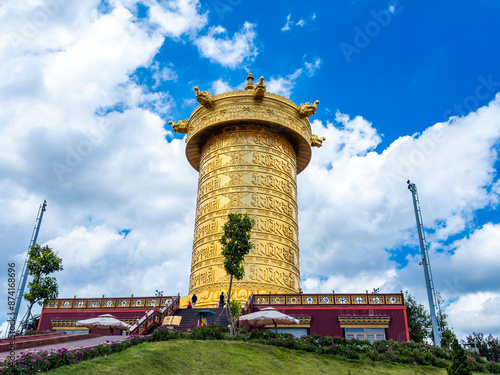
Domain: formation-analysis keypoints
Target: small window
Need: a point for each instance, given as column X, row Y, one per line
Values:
column 370, row 334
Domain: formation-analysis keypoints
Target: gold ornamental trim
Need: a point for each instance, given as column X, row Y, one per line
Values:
column 369, row 322
column 304, row 322
column 70, row 324
column 107, row 303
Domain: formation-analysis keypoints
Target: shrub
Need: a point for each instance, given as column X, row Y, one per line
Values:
column 390, row 356
column 164, row 334
column 422, row 358
column 459, row 364
column 352, row 354
column 383, row 346
column 438, row 362
column 493, row 367
column 407, row 358
column 374, row 356
column 212, row 332
column 263, row 334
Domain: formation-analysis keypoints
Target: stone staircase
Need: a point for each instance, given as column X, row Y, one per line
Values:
column 190, row 318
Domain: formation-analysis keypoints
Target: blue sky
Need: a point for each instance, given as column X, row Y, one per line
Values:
column 407, row 90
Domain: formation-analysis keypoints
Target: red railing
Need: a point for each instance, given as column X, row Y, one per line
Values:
column 154, row 318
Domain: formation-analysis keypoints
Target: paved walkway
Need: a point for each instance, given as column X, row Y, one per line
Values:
column 68, row 345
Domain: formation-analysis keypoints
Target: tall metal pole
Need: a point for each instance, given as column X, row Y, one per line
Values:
column 431, row 293
column 25, row 273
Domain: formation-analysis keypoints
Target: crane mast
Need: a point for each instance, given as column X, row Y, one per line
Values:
column 429, row 282
column 25, row 273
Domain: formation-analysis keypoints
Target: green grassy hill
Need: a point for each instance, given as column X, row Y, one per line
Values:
column 231, row 357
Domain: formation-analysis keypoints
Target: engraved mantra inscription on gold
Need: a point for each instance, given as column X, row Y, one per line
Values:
column 274, row 204
column 272, row 275
column 286, row 229
column 217, row 143
column 245, row 169
column 247, row 179
column 257, row 274
column 264, row 249
column 249, row 159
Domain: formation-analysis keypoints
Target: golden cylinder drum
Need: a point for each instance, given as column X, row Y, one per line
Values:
column 252, row 169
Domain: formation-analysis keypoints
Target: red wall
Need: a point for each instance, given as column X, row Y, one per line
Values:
column 325, row 321
column 47, row 316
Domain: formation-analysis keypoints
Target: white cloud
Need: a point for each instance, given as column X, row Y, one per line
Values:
column 176, row 17
column 473, row 259
column 229, row 52
column 283, row 85
column 220, row 86
column 357, row 282
column 189, row 102
column 475, row 312
column 311, row 67
column 161, row 75
column 287, row 24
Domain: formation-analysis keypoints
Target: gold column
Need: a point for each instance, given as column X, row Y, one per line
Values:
column 248, row 147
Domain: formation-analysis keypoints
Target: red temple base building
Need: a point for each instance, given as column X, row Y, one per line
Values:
column 369, row 317
column 61, row 315
column 353, row 316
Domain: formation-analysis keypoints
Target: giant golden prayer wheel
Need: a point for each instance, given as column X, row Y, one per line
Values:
column 248, row 147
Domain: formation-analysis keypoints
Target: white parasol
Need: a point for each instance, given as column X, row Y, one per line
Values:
column 104, row 321
column 267, row 316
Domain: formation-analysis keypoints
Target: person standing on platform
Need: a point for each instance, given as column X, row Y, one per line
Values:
column 221, row 299
column 194, row 299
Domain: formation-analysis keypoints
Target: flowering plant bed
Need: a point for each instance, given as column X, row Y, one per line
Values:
column 352, row 350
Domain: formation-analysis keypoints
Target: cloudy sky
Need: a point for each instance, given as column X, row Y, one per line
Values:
column 408, row 90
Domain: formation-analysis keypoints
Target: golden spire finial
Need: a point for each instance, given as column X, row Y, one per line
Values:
column 249, row 85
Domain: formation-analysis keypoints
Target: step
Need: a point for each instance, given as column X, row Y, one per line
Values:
column 190, row 317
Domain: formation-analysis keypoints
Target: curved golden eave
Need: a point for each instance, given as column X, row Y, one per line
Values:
column 275, row 112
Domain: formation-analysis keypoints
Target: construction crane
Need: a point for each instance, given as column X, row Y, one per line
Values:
column 25, row 273
column 431, row 292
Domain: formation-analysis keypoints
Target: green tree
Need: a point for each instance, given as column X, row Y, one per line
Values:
column 493, row 348
column 235, row 246
column 477, row 341
column 459, row 364
column 419, row 320
column 42, row 261
column 447, row 335
column 33, row 323
column 488, row 347
column 235, row 307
